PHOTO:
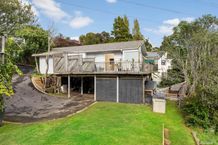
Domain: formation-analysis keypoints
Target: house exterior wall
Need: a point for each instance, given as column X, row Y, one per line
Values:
column 128, row 89
column 131, row 90
column 164, row 64
column 106, row 89
column 42, row 65
column 100, row 57
column 124, row 56
column 130, row 55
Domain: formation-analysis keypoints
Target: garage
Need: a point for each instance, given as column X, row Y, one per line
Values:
column 120, row 89
column 131, row 90
column 106, row 89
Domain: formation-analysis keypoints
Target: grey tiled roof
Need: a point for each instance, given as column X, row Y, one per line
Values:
column 107, row 47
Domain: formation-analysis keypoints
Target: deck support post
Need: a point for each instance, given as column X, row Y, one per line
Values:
column 117, row 89
column 68, row 90
column 81, row 85
column 143, row 89
column 95, row 88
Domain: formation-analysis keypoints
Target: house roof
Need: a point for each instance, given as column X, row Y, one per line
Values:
column 155, row 55
column 106, row 47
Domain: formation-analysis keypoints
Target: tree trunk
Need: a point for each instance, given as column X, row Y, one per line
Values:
column 1, row 110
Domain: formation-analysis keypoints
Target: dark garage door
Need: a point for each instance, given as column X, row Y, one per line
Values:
column 130, row 90
column 106, row 89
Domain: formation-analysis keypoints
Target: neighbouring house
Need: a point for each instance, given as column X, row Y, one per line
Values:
column 112, row 72
column 161, row 64
column 64, row 42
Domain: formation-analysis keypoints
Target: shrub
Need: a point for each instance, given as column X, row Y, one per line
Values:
column 195, row 112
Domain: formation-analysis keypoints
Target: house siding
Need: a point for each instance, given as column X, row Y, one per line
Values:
column 42, row 65
column 106, row 89
column 131, row 90
column 128, row 90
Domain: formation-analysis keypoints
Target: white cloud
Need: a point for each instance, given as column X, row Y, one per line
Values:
column 50, row 8
column 188, row 19
column 111, row 1
column 172, row 22
column 166, row 28
column 75, row 38
column 80, row 21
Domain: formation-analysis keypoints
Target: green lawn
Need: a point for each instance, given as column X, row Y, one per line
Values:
column 207, row 136
column 103, row 124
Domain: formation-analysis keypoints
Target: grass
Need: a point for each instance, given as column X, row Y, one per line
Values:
column 207, row 136
column 102, row 124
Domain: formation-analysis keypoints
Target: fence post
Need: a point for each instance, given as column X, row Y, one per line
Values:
column 117, row 89
column 163, row 135
column 95, row 88
column 3, row 49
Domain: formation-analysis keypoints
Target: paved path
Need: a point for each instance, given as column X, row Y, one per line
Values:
column 29, row 105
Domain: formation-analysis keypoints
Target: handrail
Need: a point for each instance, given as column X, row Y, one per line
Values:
column 78, row 64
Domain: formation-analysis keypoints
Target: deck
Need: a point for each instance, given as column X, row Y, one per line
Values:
column 76, row 65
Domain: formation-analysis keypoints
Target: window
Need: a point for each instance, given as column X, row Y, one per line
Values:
column 111, row 61
column 163, row 62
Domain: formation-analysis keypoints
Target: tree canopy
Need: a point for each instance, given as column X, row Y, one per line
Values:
column 194, row 49
column 121, row 31
column 14, row 15
column 136, row 33
column 95, row 38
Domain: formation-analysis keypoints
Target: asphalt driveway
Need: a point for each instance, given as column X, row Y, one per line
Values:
column 29, row 105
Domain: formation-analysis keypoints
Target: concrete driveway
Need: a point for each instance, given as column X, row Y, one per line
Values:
column 29, row 105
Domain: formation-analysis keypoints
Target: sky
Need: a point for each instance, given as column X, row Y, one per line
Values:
column 157, row 18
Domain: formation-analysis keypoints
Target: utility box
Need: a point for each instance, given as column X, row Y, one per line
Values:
column 64, row 89
column 159, row 105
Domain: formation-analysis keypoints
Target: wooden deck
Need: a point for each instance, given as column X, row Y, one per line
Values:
column 76, row 65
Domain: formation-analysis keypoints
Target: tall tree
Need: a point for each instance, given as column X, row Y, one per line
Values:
column 148, row 45
column 194, row 49
column 137, row 35
column 121, row 30
column 14, row 15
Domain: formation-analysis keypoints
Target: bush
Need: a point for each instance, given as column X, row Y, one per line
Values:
column 195, row 112
column 174, row 76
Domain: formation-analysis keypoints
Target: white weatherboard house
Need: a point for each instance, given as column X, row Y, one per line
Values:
column 116, row 71
column 161, row 64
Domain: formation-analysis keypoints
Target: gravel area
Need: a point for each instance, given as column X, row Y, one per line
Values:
column 30, row 105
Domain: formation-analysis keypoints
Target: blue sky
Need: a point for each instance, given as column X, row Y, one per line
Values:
column 156, row 17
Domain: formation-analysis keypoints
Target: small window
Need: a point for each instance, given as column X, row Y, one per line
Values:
column 111, row 61
column 163, row 62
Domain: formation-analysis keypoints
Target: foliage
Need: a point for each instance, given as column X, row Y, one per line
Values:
column 194, row 48
column 137, row 35
column 206, row 136
column 64, row 42
column 13, row 16
column 174, row 76
column 95, row 38
column 103, row 123
column 148, row 45
column 196, row 114
column 121, row 30
column 6, row 72
column 27, row 41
